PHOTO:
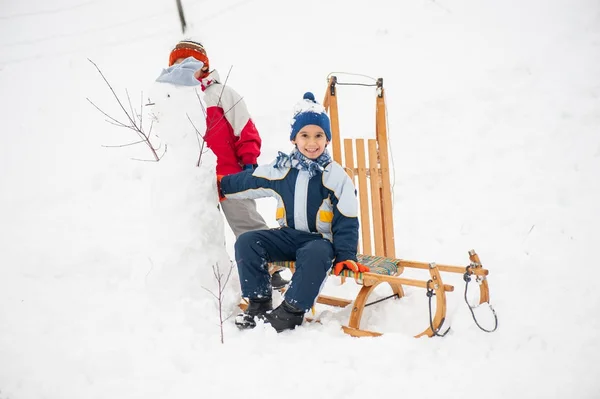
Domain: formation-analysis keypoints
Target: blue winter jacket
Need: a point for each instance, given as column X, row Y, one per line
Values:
column 325, row 204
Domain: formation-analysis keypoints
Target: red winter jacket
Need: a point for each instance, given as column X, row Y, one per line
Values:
column 230, row 132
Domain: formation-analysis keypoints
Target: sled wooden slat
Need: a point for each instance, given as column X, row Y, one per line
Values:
column 349, row 158
column 376, row 199
column 355, row 332
column 365, row 219
column 349, row 167
column 333, row 301
column 331, row 105
column 369, row 279
column 386, row 192
column 444, row 268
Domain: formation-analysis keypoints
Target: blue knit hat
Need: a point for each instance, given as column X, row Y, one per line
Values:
column 309, row 112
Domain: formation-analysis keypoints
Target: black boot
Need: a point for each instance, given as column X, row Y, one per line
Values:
column 256, row 308
column 277, row 281
column 285, row 317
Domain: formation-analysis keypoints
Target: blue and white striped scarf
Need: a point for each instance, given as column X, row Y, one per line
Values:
column 296, row 160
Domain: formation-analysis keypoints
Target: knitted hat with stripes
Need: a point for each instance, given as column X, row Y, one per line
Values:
column 189, row 48
column 309, row 112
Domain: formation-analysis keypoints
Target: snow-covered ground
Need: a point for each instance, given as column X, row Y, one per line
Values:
column 106, row 262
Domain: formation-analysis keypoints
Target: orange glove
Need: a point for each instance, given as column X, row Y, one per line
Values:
column 221, row 196
column 350, row 265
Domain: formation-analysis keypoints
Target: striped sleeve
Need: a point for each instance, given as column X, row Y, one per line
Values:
column 345, row 213
column 251, row 185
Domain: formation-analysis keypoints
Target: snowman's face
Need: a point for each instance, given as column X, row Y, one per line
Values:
column 178, row 117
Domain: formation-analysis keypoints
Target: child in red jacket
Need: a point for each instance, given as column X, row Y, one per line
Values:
column 231, row 135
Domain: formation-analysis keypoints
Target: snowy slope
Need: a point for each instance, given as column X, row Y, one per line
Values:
column 106, row 262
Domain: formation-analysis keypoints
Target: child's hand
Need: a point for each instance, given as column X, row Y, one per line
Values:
column 201, row 73
column 350, row 265
column 221, row 195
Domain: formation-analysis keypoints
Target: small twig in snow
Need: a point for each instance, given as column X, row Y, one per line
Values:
column 221, row 284
column 131, row 117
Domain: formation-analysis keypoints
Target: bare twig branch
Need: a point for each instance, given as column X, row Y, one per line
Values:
column 221, row 284
column 442, row 7
column 143, row 160
column 224, row 84
column 200, row 101
column 122, row 145
column 118, row 123
column 198, row 134
column 233, row 106
column 211, row 293
column 132, row 117
column 163, row 154
column 152, row 160
column 130, row 107
column 141, row 111
column 194, row 126
column 199, row 162
column 228, row 275
column 113, row 92
column 198, row 137
column 151, row 126
column 225, row 113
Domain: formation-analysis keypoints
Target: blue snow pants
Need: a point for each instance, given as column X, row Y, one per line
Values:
column 312, row 253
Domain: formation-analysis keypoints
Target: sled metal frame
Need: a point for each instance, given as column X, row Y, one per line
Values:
column 371, row 176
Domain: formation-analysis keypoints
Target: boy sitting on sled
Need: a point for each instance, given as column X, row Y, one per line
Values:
column 317, row 213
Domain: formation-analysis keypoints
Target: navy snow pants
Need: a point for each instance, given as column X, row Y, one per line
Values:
column 312, row 253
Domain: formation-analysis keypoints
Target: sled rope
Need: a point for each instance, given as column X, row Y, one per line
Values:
column 357, row 84
column 354, row 84
column 436, row 333
column 382, row 299
column 467, row 278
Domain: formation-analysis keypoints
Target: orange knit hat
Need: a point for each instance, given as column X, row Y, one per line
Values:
column 188, row 48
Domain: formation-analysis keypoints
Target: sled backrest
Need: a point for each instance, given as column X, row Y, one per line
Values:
column 367, row 163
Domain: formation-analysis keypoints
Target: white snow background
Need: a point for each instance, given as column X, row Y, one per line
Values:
column 106, row 262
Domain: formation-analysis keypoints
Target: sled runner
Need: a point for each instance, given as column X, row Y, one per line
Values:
column 389, row 270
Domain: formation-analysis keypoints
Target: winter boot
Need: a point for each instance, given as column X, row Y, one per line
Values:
column 256, row 308
column 277, row 281
column 285, row 317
